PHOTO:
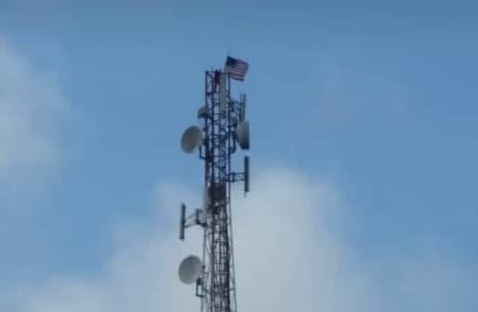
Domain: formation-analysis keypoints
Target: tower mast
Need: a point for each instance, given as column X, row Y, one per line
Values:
column 224, row 127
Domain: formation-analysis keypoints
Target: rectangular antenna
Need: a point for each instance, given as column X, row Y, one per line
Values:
column 223, row 96
column 182, row 221
column 242, row 102
column 246, row 174
column 198, row 216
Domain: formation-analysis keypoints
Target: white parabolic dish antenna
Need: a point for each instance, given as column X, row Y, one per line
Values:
column 190, row 269
column 242, row 134
column 191, row 139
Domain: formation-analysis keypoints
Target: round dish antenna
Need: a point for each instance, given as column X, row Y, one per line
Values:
column 191, row 139
column 190, row 269
column 242, row 134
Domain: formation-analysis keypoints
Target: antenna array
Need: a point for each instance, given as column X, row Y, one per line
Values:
column 223, row 128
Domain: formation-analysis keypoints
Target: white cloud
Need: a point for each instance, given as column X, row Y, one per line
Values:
column 287, row 259
column 31, row 106
column 31, row 111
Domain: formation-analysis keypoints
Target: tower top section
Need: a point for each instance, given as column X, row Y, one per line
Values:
column 223, row 131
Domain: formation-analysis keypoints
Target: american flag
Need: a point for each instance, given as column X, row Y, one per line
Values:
column 236, row 68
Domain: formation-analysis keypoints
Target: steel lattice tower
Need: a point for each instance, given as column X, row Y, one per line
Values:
column 224, row 128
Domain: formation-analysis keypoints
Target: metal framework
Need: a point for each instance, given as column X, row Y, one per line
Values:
column 221, row 116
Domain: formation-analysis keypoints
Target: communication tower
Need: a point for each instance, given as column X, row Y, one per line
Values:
column 223, row 129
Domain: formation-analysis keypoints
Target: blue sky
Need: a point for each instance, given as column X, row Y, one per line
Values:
column 379, row 100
